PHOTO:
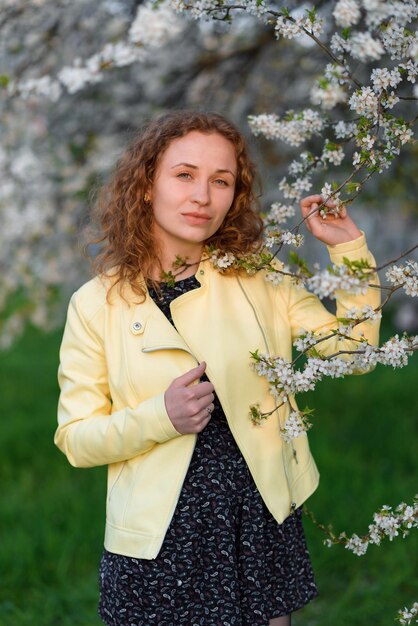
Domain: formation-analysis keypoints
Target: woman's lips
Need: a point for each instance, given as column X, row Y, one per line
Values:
column 196, row 218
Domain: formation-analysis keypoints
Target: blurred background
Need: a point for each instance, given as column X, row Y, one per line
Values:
column 53, row 155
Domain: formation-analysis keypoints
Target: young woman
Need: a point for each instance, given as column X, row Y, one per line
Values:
column 203, row 508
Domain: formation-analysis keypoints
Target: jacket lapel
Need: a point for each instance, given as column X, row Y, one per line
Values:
column 157, row 332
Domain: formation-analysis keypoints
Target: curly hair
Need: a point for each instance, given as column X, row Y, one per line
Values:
column 128, row 250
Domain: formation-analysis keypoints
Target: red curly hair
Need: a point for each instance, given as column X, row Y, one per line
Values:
column 124, row 220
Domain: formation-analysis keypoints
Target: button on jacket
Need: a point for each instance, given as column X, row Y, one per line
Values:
column 117, row 358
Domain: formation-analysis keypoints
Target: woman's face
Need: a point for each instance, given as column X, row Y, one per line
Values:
column 192, row 191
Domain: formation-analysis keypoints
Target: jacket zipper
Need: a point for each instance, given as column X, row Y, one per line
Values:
column 292, row 504
column 255, row 315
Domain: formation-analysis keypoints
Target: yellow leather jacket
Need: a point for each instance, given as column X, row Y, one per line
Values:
column 118, row 358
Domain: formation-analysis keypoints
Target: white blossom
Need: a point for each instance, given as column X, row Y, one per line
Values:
column 365, row 312
column 339, row 45
column 294, row 131
column 305, row 341
column 294, row 191
column 365, row 47
column 365, row 102
column 222, row 261
column 411, row 68
column 296, row 167
column 391, row 100
column 327, row 96
column 413, row 49
column 406, row 615
column 357, row 545
column 296, row 425
column 367, row 358
column 395, row 352
column 290, row 239
column 366, row 141
column 120, row 54
column 395, row 41
column 287, row 28
column 386, row 523
column 285, row 381
column 253, row 7
column 295, row 26
column 346, row 13
column 154, row 27
column 75, row 78
column 275, row 277
column 408, row 515
column 405, row 276
column 326, row 193
column 270, row 241
column 356, row 158
column 334, row 156
column 378, row 11
column 279, row 213
column 198, row 8
column 344, row 129
column 403, row 133
column 325, row 283
column 337, row 74
column 382, row 78
column 44, row 87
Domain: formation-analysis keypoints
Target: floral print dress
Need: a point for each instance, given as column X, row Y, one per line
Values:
column 225, row 561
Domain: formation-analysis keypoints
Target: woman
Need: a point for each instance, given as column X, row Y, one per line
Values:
column 203, row 508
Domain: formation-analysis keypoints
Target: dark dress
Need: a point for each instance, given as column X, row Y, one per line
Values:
column 225, row 561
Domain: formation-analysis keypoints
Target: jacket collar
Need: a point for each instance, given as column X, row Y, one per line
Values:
column 158, row 333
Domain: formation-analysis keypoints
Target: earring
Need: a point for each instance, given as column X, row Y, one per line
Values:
column 147, row 199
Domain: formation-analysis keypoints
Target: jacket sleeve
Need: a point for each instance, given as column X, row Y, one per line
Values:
column 307, row 313
column 88, row 433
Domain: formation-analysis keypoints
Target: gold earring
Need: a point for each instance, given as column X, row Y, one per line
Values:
column 147, row 199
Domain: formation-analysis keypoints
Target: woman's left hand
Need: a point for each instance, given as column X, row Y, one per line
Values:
column 331, row 229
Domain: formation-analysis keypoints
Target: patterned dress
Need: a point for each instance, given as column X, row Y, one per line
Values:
column 225, row 561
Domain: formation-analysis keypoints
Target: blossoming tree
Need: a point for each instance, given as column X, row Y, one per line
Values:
column 370, row 52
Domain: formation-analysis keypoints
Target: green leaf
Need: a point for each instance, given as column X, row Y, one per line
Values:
column 308, row 411
column 4, row 80
column 344, row 320
column 256, row 415
column 299, row 262
column 330, row 145
column 167, row 277
column 352, row 187
column 255, row 355
column 311, row 14
column 180, row 261
column 313, row 352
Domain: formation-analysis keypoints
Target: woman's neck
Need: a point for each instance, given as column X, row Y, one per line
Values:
column 179, row 264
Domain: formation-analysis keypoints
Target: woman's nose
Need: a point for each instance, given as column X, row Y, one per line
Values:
column 201, row 193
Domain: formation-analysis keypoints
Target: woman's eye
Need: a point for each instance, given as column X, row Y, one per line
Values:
column 221, row 182
column 184, row 175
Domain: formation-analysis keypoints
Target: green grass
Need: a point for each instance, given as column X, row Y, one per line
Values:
column 52, row 516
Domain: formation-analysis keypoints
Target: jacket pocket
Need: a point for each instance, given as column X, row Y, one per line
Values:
column 114, row 474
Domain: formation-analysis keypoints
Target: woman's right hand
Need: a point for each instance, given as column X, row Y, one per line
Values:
column 189, row 406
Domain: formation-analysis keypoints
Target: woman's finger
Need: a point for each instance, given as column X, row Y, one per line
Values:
column 203, row 403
